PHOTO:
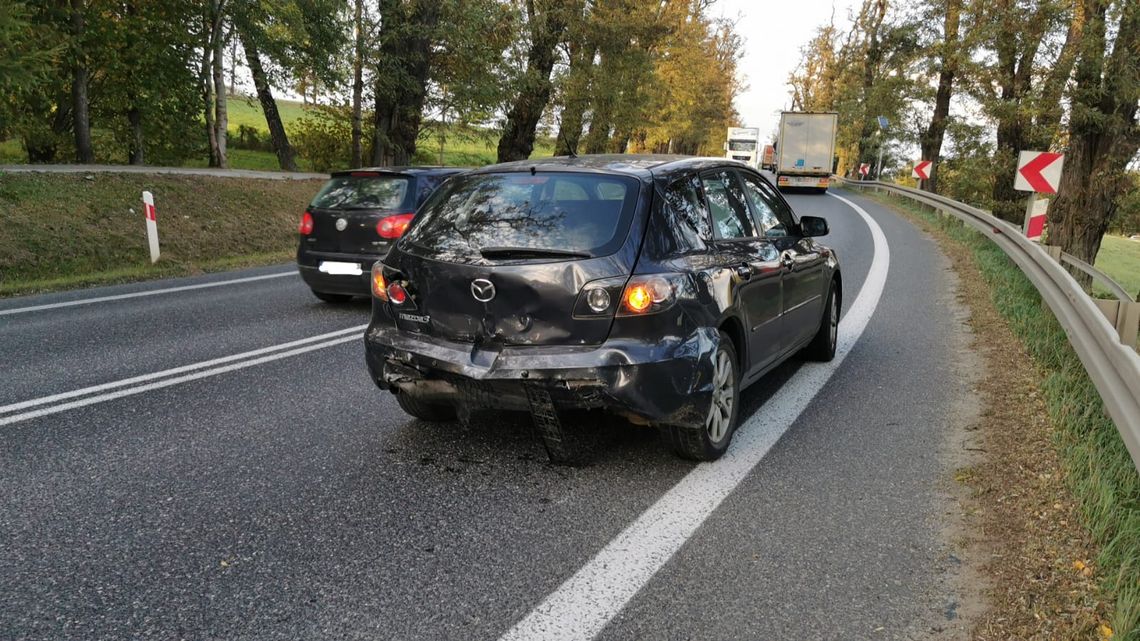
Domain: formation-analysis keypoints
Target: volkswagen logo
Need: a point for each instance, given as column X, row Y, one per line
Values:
column 483, row 290
column 341, row 224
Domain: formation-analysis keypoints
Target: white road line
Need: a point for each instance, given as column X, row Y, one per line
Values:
column 152, row 292
column 4, row 409
column 110, row 396
column 582, row 606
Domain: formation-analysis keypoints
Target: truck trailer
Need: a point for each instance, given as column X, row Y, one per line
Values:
column 805, row 150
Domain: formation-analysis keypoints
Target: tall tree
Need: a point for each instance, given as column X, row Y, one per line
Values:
column 357, row 82
column 278, row 138
column 1104, row 135
column 1011, row 88
column 948, row 56
column 402, row 74
column 80, row 77
column 218, row 79
column 546, row 22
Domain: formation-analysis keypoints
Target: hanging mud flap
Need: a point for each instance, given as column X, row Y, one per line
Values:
column 560, row 447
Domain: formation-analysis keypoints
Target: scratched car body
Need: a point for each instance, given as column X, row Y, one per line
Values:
column 353, row 220
column 655, row 287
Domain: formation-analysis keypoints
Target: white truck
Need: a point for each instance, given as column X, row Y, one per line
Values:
column 743, row 144
column 805, row 150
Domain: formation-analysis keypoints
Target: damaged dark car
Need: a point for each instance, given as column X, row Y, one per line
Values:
column 653, row 287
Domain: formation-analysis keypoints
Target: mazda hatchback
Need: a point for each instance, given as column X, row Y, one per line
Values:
column 353, row 221
column 655, row 287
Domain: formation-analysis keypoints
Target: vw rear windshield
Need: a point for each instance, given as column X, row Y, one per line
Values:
column 363, row 192
column 483, row 218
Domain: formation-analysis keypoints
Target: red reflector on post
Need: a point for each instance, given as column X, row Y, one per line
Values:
column 394, row 226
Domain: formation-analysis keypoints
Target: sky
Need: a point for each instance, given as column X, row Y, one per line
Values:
column 773, row 34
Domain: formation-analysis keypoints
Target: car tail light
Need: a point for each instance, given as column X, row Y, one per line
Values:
column 397, row 294
column 306, row 226
column 379, row 285
column 652, row 293
column 394, row 226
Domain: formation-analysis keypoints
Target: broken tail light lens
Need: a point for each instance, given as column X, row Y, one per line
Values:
column 394, row 226
column 397, row 294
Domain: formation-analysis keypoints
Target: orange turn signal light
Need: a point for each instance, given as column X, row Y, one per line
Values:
column 638, row 298
column 379, row 285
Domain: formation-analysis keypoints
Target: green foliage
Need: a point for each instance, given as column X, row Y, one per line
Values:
column 1126, row 220
column 323, row 138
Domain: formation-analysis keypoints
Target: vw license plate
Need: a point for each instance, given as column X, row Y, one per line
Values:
column 340, row 269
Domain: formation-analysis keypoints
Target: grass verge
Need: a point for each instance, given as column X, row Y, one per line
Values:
column 1042, row 569
column 67, row 230
column 1120, row 259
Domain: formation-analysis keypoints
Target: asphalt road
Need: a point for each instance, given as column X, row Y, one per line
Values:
column 280, row 495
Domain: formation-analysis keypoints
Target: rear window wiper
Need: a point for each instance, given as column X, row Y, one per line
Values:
column 529, row 252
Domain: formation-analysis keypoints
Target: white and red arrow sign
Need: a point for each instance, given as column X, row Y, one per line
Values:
column 864, row 169
column 1038, row 171
column 921, row 170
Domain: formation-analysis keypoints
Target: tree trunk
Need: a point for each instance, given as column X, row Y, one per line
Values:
column 286, row 157
column 867, row 143
column 80, row 76
column 221, row 119
column 546, row 30
column 931, row 142
column 358, row 84
column 207, row 85
column 576, row 99
column 1104, row 133
column 1015, row 67
column 135, row 154
column 399, row 107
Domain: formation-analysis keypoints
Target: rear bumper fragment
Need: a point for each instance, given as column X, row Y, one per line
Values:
column 668, row 381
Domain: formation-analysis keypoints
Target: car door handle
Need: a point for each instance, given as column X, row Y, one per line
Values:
column 744, row 271
column 787, row 260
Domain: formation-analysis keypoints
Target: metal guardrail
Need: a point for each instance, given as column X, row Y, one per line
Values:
column 1104, row 349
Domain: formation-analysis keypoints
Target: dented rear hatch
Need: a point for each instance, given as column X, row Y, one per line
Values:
column 505, row 257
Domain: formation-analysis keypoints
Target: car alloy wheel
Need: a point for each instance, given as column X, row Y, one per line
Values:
column 719, row 421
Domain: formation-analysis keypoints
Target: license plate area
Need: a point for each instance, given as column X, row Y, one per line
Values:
column 335, row 268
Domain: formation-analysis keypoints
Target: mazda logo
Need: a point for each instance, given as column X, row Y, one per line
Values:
column 483, row 290
column 341, row 224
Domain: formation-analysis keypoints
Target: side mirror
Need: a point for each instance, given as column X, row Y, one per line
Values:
column 813, row 226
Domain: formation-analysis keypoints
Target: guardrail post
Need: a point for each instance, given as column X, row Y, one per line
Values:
column 1128, row 322
column 1054, row 252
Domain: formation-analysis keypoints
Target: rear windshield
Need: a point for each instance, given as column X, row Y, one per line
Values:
column 572, row 213
column 362, row 192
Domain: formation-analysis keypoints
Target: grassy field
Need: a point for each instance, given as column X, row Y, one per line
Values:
column 1120, row 259
column 64, row 231
column 1098, row 469
column 468, row 147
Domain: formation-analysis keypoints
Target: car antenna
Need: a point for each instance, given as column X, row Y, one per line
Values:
column 572, row 152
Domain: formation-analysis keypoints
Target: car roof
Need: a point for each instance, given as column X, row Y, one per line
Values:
column 644, row 166
column 409, row 170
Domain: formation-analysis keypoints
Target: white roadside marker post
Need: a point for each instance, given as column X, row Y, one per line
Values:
column 151, row 225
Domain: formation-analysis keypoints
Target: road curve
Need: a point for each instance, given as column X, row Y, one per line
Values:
column 290, row 499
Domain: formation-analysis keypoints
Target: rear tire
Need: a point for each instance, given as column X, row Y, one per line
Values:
column 332, row 299
column 710, row 441
column 425, row 411
column 822, row 347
